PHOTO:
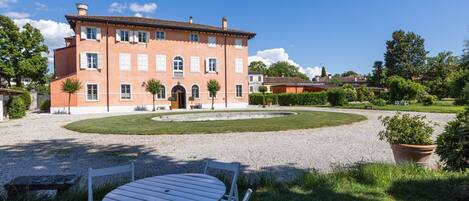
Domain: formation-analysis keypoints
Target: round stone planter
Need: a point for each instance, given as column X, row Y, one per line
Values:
column 405, row 153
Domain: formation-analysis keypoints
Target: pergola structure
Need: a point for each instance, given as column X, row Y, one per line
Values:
column 5, row 91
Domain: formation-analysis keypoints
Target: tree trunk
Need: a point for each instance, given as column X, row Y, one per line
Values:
column 18, row 82
column 213, row 100
column 69, row 99
column 153, row 102
column 263, row 100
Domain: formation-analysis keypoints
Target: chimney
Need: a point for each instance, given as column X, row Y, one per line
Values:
column 224, row 23
column 329, row 76
column 82, row 9
column 190, row 19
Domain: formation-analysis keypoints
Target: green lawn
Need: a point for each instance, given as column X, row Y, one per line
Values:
column 438, row 107
column 143, row 124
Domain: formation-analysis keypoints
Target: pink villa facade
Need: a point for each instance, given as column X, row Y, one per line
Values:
column 113, row 56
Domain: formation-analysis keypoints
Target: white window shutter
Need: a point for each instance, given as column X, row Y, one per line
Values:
column 195, row 64
column 131, row 36
column 83, row 33
column 148, row 36
column 100, row 61
column 216, row 65
column 83, row 60
column 207, row 64
column 118, row 35
column 161, row 63
column 98, row 33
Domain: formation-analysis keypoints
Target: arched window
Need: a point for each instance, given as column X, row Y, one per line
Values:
column 195, row 91
column 162, row 93
column 178, row 67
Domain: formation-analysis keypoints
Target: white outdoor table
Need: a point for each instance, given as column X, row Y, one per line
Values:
column 176, row 187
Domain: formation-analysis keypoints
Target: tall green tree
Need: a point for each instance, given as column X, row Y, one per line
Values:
column 378, row 75
column 283, row 68
column 70, row 86
column 437, row 70
column 405, row 55
column 213, row 87
column 458, row 84
column 9, row 52
column 258, row 66
column 349, row 73
column 153, row 86
column 465, row 56
column 323, row 72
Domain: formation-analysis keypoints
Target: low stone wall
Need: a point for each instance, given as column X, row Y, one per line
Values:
column 213, row 116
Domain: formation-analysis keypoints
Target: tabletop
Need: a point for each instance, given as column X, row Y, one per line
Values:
column 180, row 187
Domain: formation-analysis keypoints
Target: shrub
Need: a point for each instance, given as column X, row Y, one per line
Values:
column 406, row 129
column 337, row 97
column 350, row 92
column 316, row 98
column 378, row 102
column 16, row 108
column 364, row 94
column 25, row 96
column 458, row 83
column 45, row 105
column 256, row 98
column 453, row 143
column 427, row 99
column 403, row 89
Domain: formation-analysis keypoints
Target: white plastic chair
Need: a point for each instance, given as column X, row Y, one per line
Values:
column 105, row 172
column 232, row 167
column 247, row 195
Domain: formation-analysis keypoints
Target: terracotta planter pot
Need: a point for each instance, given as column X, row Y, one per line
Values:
column 420, row 154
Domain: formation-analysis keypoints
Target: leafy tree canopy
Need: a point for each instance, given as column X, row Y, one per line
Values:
column 323, row 72
column 378, row 75
column 258, row 66
column 283, row 68
column 437, row 71
column 349, row 73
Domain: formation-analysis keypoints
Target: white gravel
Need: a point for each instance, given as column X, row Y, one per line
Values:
column 38, row 145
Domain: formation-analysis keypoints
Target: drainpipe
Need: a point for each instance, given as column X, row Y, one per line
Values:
column 107, row 66
column 226, row 78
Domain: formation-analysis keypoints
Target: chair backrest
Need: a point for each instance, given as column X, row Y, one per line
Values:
column 105, row 172
column 247, row 195
column 232, row 167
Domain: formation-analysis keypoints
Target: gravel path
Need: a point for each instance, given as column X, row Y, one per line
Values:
column 39, row 145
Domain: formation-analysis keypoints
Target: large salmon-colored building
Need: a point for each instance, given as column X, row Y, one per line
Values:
column 113, row 56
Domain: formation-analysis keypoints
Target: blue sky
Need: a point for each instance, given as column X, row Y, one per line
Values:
column 340, row 34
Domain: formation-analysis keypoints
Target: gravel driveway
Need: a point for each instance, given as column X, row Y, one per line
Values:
column 39, row 145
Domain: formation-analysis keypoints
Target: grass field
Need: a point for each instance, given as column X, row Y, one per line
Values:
column 437, row 107
column 143, row 124
column 365, row 182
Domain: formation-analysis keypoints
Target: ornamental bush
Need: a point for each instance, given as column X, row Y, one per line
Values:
column 337, row 97
column 404, row 89
column 45, row 106
column 378, row 102
column 453, row 143
column 364, row 94
column 406, row 129
column 25, row 96
column 350, row 92
column 256, row 98
column 16, row 108
column 427, row 99
column 315, row 98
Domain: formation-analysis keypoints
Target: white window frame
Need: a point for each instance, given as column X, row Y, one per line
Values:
column 178, row 70
column 251, row 78
column 191, row 37
column 212, row 41
column 129, row 67
column 198, row 93
column 129, row 35
column 146, row 37
column 164, row 35
column 120, row 91
column 251, row 88
column 238, row 43
column 88, row 63
column 216, row 65
column 97, row 92
column 163, row 98
column 239, row 69
column 163, row 68
column 236, row 90
column 195, row 66
column 95, row 33
column 139, row 66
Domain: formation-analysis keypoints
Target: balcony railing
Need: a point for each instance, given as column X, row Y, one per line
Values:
column 178, row 74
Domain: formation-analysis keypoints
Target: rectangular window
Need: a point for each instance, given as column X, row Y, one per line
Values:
column 160, row 35
column 212, row 41
column 91, row 33
column 142, row 37
column 239, row 65
column 124, row 62
column 239, row 90
column 162, row 93
column 194, row 37
column 125, row 92
column 212, row 65
column 92, row 60
column 161, row 63
column 142, row 62
column 91, row 92
column 251, row 78
column 259, row 78
column 251, row 88
column 195, row 64
column 238, row 43
column 124, row 36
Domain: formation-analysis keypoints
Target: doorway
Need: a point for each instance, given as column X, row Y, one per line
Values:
column 179, row 93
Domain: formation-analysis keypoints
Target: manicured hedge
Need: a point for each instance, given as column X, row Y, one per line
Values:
column 256, row 98
column 317, row 98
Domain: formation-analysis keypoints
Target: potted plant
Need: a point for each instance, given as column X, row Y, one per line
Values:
column 269, row 101
column 171, row 98
column 191, row 99
column 410, row 137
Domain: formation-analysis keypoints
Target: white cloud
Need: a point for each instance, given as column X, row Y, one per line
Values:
column 270, row 56
column 143, row 8
column 5, row 3
column 138, row 15
column 16, row 15
column 53, row 32
column 40, row 6
column 116, row 7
